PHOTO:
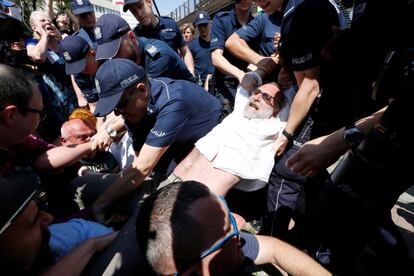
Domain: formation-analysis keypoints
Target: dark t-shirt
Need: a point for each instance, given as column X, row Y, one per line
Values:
column 23, row 155
column 200, row 49
column 103, row 162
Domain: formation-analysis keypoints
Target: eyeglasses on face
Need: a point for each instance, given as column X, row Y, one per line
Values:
column 270, row 100
column 42, row 114
column 219, row 244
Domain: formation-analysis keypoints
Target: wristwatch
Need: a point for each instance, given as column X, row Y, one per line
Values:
column 288, row 135
column 112, row 133
column 353, row 136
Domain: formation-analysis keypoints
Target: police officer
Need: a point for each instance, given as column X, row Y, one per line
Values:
column 307, row 26
column 115, row 39
column 259, row 33
column 84, row 12
column 163, row 118
column 80, row 62
column 229, row 69
column 200, row 49
column 163, row 28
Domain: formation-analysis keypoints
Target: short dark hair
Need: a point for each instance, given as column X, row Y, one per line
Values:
column 165, row 228
column 14, row 87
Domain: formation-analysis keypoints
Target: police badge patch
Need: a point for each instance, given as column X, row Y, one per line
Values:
column 98, row 87
column 67, row 56
column 98, row 33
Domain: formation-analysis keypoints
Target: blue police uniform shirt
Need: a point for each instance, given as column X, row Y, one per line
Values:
column 260, row 32
column 200, row 49
column 87, row 86
column 178, row 113
column 166, row 30
column 224, row 24
column 306, row 30
column 159, row 60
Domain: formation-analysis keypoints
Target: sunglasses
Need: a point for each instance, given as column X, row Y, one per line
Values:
column 223, row 241
column 42, row 114
column 270, row 100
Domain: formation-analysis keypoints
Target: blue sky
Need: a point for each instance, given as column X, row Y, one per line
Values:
column 166, row 6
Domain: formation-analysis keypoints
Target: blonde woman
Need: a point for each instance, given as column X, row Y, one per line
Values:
column 187, row 31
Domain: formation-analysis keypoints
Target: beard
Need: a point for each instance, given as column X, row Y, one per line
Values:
column 28, row 265
column 254, row 110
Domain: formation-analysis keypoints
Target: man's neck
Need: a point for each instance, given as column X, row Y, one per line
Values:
column 242, row 16
column 206, row 38
column 154, row 21
column 6, row 142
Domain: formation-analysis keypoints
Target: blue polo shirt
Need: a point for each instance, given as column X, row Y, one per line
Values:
column 260, row 32
column 224, row 24
column 87, row 86
column 159, row 60
column 200, row 49
column 166, row 30
column 178, row 114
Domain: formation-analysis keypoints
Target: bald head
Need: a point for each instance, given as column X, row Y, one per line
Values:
column 76, row 131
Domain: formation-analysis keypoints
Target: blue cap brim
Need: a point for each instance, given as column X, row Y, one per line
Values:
column 7, row 3
column 75, row 67
column 108, row 50
column 83, row 10
column 129, row 2
column 106, row 105
column 205, row 21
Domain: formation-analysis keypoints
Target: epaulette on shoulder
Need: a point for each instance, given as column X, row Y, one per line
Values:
column 167, row 17
column 223, row 14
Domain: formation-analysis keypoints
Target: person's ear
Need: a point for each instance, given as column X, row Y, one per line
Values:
column 131, row 35
column 143, row 90
column 9, row 114
column 63, row 141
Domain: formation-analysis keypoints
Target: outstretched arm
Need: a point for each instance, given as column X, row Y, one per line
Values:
column 240, row 49
column 221, row 63
column 322, row 152
column 61, row 157
column 129, row 179
column 188, row 58
column 287, row 257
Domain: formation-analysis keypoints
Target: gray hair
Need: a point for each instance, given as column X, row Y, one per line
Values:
column 166, row 231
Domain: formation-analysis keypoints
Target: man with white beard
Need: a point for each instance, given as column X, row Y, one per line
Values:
column 239, row 151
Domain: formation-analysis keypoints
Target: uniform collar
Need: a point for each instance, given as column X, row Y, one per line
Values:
column 234, row 20
column 290, row 6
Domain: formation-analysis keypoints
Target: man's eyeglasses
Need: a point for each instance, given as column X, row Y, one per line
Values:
column 223, row 241
column 42, row 114
column 265, row 96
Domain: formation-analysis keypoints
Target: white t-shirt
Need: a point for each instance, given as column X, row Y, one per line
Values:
column 244, row 147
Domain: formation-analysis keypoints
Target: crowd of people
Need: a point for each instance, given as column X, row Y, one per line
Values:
column 164, row 149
